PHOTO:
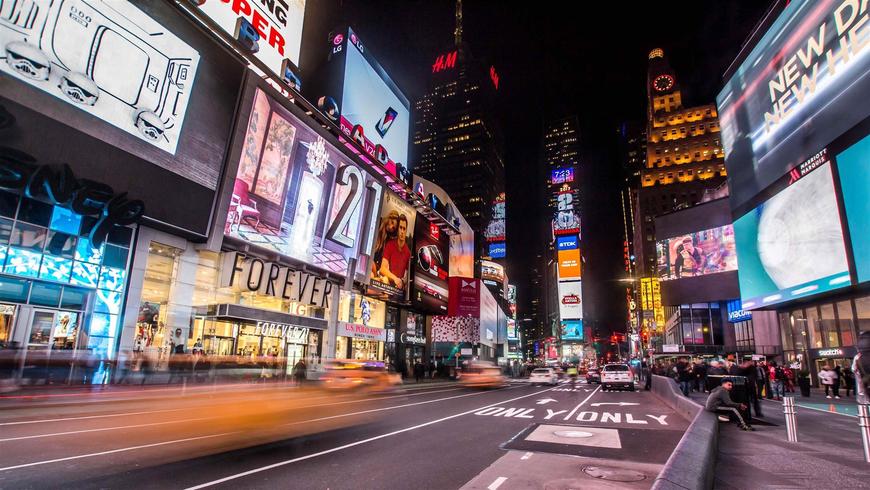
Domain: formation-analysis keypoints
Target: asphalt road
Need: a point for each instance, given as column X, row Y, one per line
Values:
column 441, row 437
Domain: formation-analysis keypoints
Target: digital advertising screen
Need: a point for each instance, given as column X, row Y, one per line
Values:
column 295, row 194
column 571, row 330
column 461, row 245
column 512, row 331
column 792, row 246
column 392, row 255
column 431, row 266
column 567, row 218
column 568, row 257
column 697, row 254
column 491, row 271
column 561, row 175
column 853, row 165
column 495, row 230
column 570, row 300
column 372, row 100
column 497, row 250
column 811, row 65
column 271, row 30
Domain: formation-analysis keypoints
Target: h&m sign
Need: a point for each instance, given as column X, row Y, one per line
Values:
column 252, row 274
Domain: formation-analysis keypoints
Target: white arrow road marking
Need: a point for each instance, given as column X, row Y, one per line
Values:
column 621, row 404
column 544, row 401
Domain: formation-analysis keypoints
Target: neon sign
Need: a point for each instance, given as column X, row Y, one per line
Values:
column 493, row 75
column 445, row 62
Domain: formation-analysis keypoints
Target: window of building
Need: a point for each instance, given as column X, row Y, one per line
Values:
column 798, row 324
column 846, row 322
column 829, row 326
column 862, row 309
column 786, row 330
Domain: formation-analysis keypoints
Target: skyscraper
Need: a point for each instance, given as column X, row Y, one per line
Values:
column 457, row 143
column 684, row 157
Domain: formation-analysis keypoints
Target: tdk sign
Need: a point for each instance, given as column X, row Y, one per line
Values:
column 566, row 243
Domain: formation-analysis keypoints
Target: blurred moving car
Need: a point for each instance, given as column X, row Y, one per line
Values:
column 482, row 376
column 349, row 374
column 544, row 376
column 617, row 376
column 593, row 375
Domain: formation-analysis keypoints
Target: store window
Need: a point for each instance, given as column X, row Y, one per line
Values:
column 846, row 322
column 862, row 308
column 829, row 326
column 786, row 331
column 814, row 322
column 798, row 324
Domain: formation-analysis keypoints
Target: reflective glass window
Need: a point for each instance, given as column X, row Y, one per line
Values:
column 60, row 244
column 829, row 326
column 108, row 301
column 115, row 256
column 28, row 236
column 5, row 230
column 846, row 321
column 14, row 289
column 74, row 298
column 36, row 212
column 86, row 253
column 55, row 268
column 22, row 262
column 84, row 274
column 8, row 204
column 862, row 308
column 45, row 294
column 65, row 220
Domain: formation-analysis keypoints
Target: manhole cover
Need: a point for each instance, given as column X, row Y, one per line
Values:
column 614, row 474
column 573, row 433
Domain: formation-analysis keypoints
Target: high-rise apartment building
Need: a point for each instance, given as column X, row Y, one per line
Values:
column 684, row 157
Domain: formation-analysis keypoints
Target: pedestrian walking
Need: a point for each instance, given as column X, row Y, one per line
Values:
column 685, row 376
column 777, row 380
column 789, row 378
column 748, row 370
column 701, row 377
column 418, row 371
column 848, row 380
column 760, row 378
column 300, row 371
column 837, row 381
column 719, row 402
column 826, row 378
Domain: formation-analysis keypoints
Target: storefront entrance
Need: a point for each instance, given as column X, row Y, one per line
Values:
column 53, row 330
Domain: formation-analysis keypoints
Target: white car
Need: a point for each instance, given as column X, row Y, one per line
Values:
column 544, row 376
column 617, row 376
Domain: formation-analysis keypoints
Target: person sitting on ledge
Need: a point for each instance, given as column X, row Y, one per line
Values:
column 719, row 402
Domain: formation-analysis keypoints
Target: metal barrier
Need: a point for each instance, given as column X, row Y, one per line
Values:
column 790, row 420
column 864, row 424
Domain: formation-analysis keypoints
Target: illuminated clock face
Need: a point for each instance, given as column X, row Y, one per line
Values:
column 663, row 82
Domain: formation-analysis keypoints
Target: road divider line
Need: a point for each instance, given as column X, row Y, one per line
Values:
column 85, row 417
column 354, row 444
column 103, row 429
column 497, row 483
column 583, row 402
column 526, row 456
column 113, row 451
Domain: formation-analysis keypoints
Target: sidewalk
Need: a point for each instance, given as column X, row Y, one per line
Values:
column 829, row 453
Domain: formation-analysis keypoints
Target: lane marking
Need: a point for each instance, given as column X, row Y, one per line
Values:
column 64, row 419
column 583, row 402
column 526, row 456
column 497, row 483
column 102, row 429
column 816, row 409
column 113, row 451
column 353, row 444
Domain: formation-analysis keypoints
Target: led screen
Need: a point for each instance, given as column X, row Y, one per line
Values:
column 370, row 99
column 276, row 27
column 567, row 218
column 570, row 300
column 697, row 254
column 497, row 250
column 294, row 193
column 106, row 58
column 562, row 175
column 791, row 246
column 804, row 83
column 431, row 266
column 495, row 231
column 569, row 263
column 572, row 330
column 490, row 271
column 462, row 244
column 854, row 168
column 391, row 257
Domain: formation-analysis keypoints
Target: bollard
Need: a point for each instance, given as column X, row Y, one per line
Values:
column 790, row 421
column 864, row 424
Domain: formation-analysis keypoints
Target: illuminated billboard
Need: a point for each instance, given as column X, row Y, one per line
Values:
column 490, row 271
column 461, row 245
column 391, row 256
column 567, row 218
column 296, row 195
column 697, row 254
column 853, row 165
column 497, row 250
column 271, row 31
column 568, row 257
column 651, row 302
column 495, row 230
column 106, row 58
column 571, row 330
column 561, row 175
column 809, row 66
column 431, row 266
column 570, row 300
column 792, row 246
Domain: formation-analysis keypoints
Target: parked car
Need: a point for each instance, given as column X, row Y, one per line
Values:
column 617, row 376
column 593, row 376
column 544, row 376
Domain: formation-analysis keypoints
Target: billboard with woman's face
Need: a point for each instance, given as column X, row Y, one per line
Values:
column 697, row 254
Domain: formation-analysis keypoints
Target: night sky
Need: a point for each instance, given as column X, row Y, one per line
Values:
column 552, row 62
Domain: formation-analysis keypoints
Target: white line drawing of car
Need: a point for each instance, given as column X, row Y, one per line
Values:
column 103, row 54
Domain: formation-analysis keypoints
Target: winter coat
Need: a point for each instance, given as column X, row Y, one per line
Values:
column 827, row 377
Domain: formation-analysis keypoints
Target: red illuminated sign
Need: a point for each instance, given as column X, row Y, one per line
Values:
column 445, row 62
column 493, row 76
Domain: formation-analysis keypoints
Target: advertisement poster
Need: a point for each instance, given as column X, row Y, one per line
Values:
column 464, row 297
column 461, row 245
column 371, row 100
column 292, row 191
column 106, row 58
column 455, row 329
column 493, row 275
column 572, row 330
column 810, row 65
column 697, row 254
column 792, row 245
column 567, row 218
column 495, row 230
column 391, row 256
column 570, row 300
column 431, row 266
column 275, row 27
column 489, row 313
column 568, row 256
column 853, row 164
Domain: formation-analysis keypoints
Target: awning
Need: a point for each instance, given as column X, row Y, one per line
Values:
column 233, row 312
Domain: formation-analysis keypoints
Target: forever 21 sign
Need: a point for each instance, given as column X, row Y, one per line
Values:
column 252, row 274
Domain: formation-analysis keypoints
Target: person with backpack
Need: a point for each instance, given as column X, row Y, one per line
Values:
column 861, row 368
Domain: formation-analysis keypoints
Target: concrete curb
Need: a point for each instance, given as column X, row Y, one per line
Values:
column 693, row 462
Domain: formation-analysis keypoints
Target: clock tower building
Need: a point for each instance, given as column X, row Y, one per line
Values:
column 685, row 163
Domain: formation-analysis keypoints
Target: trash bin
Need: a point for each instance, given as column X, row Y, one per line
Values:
column 739, row 392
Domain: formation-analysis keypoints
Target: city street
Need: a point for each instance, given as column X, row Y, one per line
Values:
column 439, row 436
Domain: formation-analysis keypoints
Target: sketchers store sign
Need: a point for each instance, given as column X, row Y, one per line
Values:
column 803, row 84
